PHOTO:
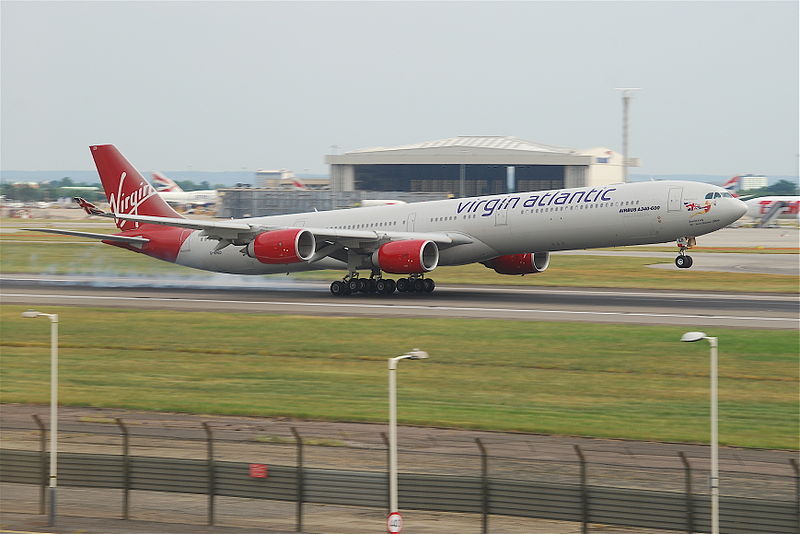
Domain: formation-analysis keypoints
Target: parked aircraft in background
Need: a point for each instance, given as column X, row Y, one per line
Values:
column 784, row 207
column 768, row 208
column 173, row 194
column 512, row 233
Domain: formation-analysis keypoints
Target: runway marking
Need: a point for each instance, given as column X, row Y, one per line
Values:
column 406, row 307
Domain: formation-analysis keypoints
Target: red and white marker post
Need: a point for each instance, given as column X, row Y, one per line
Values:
column 394, row 523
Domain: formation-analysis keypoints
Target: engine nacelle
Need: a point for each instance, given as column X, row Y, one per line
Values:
column 407, row 257
column 283, row 246
column 528, row 263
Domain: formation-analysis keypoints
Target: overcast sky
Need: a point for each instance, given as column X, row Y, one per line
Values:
column 247, row 85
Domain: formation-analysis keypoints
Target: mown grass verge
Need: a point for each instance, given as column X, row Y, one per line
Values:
column 636, row 382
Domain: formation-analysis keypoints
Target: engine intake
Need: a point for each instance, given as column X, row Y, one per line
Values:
column 407, row 257
column 528, row 263
column 283, row 246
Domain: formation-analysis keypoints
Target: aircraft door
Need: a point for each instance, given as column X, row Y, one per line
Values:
column 501, row 218
column 674, row 201
column 411, row 221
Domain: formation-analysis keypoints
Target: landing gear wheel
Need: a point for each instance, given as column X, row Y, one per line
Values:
column 372, row 285
column 392, row 286
column 683, row 262
column 381, row 287
column 352, row 285
column 419, row 285
column 338, row 288
column 429, row 285
column 403, row 285
column 363, row 284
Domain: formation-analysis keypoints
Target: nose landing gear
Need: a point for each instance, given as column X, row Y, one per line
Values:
column 684, row 261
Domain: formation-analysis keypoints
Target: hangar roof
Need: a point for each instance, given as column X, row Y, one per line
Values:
column 503, row 142
column 465, row 149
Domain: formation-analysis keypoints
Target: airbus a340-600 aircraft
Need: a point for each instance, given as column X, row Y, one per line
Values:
column 512, row 233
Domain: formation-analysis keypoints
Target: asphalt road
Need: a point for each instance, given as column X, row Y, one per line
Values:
column 689, row 308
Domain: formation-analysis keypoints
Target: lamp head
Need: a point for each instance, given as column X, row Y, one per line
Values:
column 31, row 314
column 416, row 354
column 693, row 336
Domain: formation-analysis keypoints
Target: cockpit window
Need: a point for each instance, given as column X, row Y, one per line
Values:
column 710, row 195
column 727, row 195
column 717, row 195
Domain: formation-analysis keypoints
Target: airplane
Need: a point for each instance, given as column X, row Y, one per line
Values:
column 789, row 206
column 175, row 195
column 786, row 206
column 512, row 233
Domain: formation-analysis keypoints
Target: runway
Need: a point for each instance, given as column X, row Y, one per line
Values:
column 690, row 308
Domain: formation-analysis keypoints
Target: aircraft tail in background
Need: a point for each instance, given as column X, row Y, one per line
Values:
column 732, row 185
column 164, row 184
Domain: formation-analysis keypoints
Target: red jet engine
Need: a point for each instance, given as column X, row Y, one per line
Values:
column 528, row 263
column 283, row 246
column 407, row 257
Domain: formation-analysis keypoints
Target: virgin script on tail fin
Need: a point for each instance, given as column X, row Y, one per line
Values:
column 126, row 189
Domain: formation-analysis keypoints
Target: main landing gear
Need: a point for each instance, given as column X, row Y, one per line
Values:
column 378, row 285
column 684, row 261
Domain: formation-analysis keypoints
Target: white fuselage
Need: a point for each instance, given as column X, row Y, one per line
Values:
column 760, row 206
column 513, row 223
column 194, row 198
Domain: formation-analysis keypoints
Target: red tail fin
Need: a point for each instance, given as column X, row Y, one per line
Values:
column 126, row 190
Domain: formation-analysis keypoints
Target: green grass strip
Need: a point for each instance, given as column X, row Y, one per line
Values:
column 617, row 381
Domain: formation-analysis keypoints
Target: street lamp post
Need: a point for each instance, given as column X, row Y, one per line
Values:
column 415, row 354
column 31, row 314
column 697, row 336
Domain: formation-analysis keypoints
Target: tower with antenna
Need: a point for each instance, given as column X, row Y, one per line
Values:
column 627, row 94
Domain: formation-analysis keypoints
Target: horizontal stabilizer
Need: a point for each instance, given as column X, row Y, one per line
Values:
column 104, row 237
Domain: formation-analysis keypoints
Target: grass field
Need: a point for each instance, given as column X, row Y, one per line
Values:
column 32, row 252
column 633, row 382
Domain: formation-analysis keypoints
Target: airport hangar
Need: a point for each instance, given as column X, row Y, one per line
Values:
column 463, row 166
column 469, row 165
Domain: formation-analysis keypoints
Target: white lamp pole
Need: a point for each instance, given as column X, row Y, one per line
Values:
column 697, row 336
column 415, row 354
column 31, row 314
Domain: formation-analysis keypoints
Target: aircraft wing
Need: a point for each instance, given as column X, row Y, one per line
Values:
column 104, row 237
column 240, row 231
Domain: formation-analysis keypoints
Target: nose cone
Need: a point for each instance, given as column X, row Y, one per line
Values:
column 740, row 208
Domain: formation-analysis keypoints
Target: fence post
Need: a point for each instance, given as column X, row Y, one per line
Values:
column 42, row 462
column 796, row 489
column 299, row 481
column 584, row 493
column 126, row 467
column 211, row 473
column 687, row 470
column 484, row 487
column 388, row 462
